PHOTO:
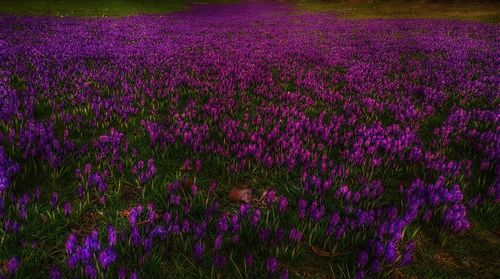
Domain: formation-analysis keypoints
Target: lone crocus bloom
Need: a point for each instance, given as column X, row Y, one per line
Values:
column 54, row 199
column 198, row 250
column 111, row 236
column 13, row 265
column 272, row 265
column 282, row 204
column 362, row 259
column 55, row 273
column 67, row 208
column 249, row 260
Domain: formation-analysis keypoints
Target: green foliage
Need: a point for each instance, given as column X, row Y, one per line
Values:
column 485, row 11
column 93, row 7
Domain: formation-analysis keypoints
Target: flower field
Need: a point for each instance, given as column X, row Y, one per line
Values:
column 243, row 141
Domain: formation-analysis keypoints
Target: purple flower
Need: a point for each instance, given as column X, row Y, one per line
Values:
column 220, row 261
column 362, row 259
column 197, row 165
column 194, row 189
column 316, row 212
column 390, row 252
column 107, row 257
column 302, row 206
column 264, row 234
column 249, row 260
column 67, row 208
column 198, row 250
column 71, row 243
column 284, row 274
column 4, row 184
column 111, row 235
column 55, row 273
column 122, row 272
column 37, row 194
column 270, row 195
column 73, row 260
column 218, row 242
column 54, row 199
column 13, row 265
column 407, row 257
column 222, row 225
column 234, row 223
column 244, row 208
column 279, row 235
column 134, row 215
column 360, row 275
column 92, row 241
column 376, row 267
column 255, row 217
column 85, row 254
column 90, row 272
column 272, row 265
column 295, row 235
column 185, row 226
column 282, row 204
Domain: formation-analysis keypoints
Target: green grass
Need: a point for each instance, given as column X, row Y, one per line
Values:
column 94, row 7
column 472, row 255
column 460, row 10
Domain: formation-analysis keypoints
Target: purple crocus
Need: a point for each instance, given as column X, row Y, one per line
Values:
column 12, row 265
column 362, row 259
column 122, row 272
column 71, row 243
column 272, row 265
column 107, row 257
column 220, row 261
column 55, row 273
column 295, row 235
column 54, row 198
column 218, row 242
column 111, row 235
column 284, row 274
column 249, row 260
column 92, row 241
column 282, row 204
column 198, row 250
column 67, row 208
column 90, row 271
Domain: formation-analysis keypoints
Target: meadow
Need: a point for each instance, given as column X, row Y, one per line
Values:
column 484, row 11
column 247, row 140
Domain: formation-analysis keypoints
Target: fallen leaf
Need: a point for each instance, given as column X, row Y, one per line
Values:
column 124, row 213
column 44, row 217
column 240, row 195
